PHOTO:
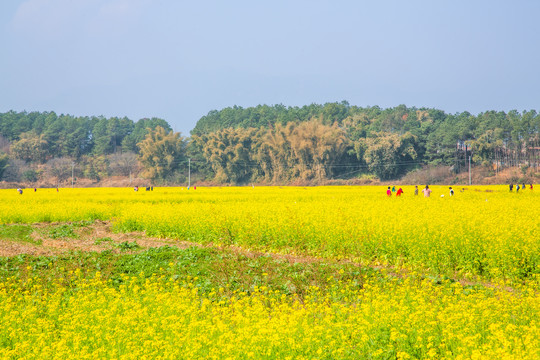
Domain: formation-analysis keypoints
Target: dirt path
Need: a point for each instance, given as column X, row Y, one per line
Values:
column 97, row 236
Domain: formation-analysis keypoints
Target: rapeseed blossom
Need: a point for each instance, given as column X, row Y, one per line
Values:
column 160, row 318
column 485, row 236
column 480, row 232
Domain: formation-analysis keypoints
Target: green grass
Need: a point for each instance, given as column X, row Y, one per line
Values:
column 19, row 233
column 67, row 231
column 62, row 231
column 127, row 246
column 207, row 268
column 102, row 240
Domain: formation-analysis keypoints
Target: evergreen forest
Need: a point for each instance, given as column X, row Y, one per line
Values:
column 267, row 144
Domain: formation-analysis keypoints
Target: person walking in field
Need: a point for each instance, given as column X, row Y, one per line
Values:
column 393, row 189
column 451, row 191
column 426, row 191
column 415, row 189
column 517, row 188
column 531, row 187
column 399, row 192
column 511, row 186
column 389, row 192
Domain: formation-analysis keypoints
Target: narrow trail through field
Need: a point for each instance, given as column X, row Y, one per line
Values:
column 46, row 240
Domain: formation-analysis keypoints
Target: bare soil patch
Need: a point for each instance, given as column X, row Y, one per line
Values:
column 97, row 236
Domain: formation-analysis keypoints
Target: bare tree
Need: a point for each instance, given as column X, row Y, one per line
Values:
column 124, row 164
column 4, row 144
column 60, row 168
column 13, row 170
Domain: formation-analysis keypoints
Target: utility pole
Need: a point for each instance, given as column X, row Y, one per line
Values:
column 72, row 167
column 470, row 182
column 189, row 173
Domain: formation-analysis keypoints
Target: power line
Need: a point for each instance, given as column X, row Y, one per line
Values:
column 314, row 166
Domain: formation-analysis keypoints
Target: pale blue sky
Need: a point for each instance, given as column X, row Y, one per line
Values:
column 178, row 59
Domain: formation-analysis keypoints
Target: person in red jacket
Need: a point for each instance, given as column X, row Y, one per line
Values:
column 399, row 192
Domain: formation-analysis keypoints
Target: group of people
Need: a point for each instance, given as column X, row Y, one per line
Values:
column 20, row 191
column 523, row 186
column 426, row 191
column 148, row 188
column 393, row 190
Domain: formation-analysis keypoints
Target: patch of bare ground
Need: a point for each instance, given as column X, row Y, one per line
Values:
column 14, row 248
column 98, row 236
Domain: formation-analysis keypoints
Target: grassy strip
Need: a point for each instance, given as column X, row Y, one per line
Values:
column 18, row 233
column 208, row 268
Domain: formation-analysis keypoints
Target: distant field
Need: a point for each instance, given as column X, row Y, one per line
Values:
column 270, row 272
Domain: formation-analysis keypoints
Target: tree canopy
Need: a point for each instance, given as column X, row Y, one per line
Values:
column 40, row 136
column 272, row 143
column 336, row 139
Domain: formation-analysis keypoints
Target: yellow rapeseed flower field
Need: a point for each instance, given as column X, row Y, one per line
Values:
column 485, row 237
column 161, row 318
column 482, row 231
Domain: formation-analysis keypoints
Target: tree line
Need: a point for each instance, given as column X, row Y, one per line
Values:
column 337, row 140
column 273, row 144
column 34, row 144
